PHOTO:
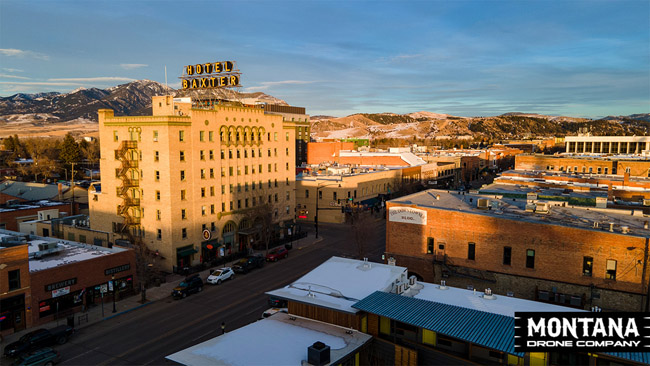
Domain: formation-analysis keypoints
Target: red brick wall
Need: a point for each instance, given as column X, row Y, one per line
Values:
column 540, row 162
column 5, row 197
column 319, row 152
column 88, row 273
column 11, row 218
column 16, row 258
column 372, row 160
column 559, row 250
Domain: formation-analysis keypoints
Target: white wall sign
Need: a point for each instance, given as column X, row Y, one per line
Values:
column 61, row 291
column 407, row 215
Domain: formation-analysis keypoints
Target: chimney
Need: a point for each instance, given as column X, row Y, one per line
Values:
column 318, row 354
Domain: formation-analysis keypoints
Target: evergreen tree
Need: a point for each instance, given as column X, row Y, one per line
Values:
column 70, row 152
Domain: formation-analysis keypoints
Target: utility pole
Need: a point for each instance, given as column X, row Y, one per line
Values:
column 72, row 188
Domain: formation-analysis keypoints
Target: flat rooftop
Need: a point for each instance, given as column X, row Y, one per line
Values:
column 470, row 299
column 281, row 339
column 69, row 251
column 339, row 283
column 44, row 204
column 515, row 209
column 593, row 156
column 566, row 179
column 502, row 187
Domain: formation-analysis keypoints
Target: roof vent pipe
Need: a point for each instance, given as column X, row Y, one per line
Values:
column 611, row 227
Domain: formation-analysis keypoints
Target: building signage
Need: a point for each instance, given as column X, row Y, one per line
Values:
column 210, row 75
column 61, row 284
column 581, row 332
column 207, row 234
column 60, row 292
column 122, row 268
column 408, row 215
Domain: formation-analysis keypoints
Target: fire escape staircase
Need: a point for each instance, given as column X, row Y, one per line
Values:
column 125, row 154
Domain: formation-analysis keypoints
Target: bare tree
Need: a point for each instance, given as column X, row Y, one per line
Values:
column 263, row 215
column 363, row 232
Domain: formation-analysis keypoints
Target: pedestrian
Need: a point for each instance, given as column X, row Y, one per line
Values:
column 223, row 327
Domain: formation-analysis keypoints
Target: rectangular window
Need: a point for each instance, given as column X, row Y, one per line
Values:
column 384, row 325
column 223, row 206
column 212, row 209
column 202, row 191
column 14, row 279
column 231, row 206
column 530, row 258
column 157, row 174
column 202, row 173
column 158, row 214
column 275, row 136
column 287, row 136
column 507, row 256
column 610, row 274
column 223, row 172
column 211, row 135
column 156, row 156
column 182, row 155
column 246, row 170
column 334, row 196
column 288, row 195
column 223, row 189
column 429, row 245
column 182, row 195
column 159, row 234
column 184, row 233
column 212, row 191
column 202, row 155
column 182, row 175
column 157, row 195
column 155, row 136
column 306, row 193
column 203, row 211
column 211, row 173
column 320, row 195
column 183, row 214
column 587, row 266
column 115, row 137
column 229, row 154
column 238, row 154
column 201, row 136
column 230, row 171
column 223, row 154
column 181, row 136
column 211, row 154
column 471, row 251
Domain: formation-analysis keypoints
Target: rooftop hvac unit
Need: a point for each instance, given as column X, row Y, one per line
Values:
column 531, row 196
column 625, row 229
column 530, row 207
column 413, row 281
column 646, row 202
column 488, row 294
column 46, row 246
column 483, row 203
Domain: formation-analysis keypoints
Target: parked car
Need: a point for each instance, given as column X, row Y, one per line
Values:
column 41, row 357
column 272, row 311
column 220, row 275
column 274, row 302
column 245, row 265
column 189, row 286
column 38, row 339
column 277, row 253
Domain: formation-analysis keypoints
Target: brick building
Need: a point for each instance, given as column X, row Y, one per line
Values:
column 13, row 214
column 187, row 179
column 612, row 165
column 58, row 277
column 586, row 144
column 542, row 250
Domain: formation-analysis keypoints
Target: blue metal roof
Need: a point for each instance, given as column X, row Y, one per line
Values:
column 489, row 330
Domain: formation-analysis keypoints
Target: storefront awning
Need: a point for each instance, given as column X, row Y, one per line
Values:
column 186, row 252
column 369, row 202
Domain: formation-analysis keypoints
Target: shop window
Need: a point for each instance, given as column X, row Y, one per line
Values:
column 14, row 279
column 530, row 258
column 429, row 245
column 610, row 274
column 587, row 266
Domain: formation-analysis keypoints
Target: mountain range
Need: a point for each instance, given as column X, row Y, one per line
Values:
column 54, row 114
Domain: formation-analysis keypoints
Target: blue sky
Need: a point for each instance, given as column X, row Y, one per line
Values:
column 467, row 58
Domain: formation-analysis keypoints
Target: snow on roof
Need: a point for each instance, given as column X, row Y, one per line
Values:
column 340, row 282
column 501, row 304
column 408, row 157
column 281, row 339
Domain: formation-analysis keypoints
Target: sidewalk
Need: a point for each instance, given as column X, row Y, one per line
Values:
column 94, row 314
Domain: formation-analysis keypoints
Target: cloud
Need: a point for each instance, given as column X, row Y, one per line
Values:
column 132, row 66
column 268, row 84
column 13, row 77
column 11, row 70
column 13, row 52
column 100, row 78
column 38, row 83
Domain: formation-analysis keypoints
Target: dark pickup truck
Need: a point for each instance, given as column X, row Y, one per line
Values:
column 38, row 339
column 246, row 264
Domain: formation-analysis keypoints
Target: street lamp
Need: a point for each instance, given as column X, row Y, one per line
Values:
column 114, row 290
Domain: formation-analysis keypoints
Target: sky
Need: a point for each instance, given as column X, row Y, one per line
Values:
column 336, row 58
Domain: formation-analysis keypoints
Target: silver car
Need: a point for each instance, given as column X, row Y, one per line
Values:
column 220, row 275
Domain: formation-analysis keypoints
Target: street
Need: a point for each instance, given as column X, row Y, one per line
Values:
column 147, row 335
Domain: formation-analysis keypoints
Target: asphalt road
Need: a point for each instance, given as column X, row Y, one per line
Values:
column 145, row 336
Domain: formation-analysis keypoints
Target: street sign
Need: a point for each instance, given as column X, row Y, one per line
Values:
column 110, row 286
column 104, row 289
